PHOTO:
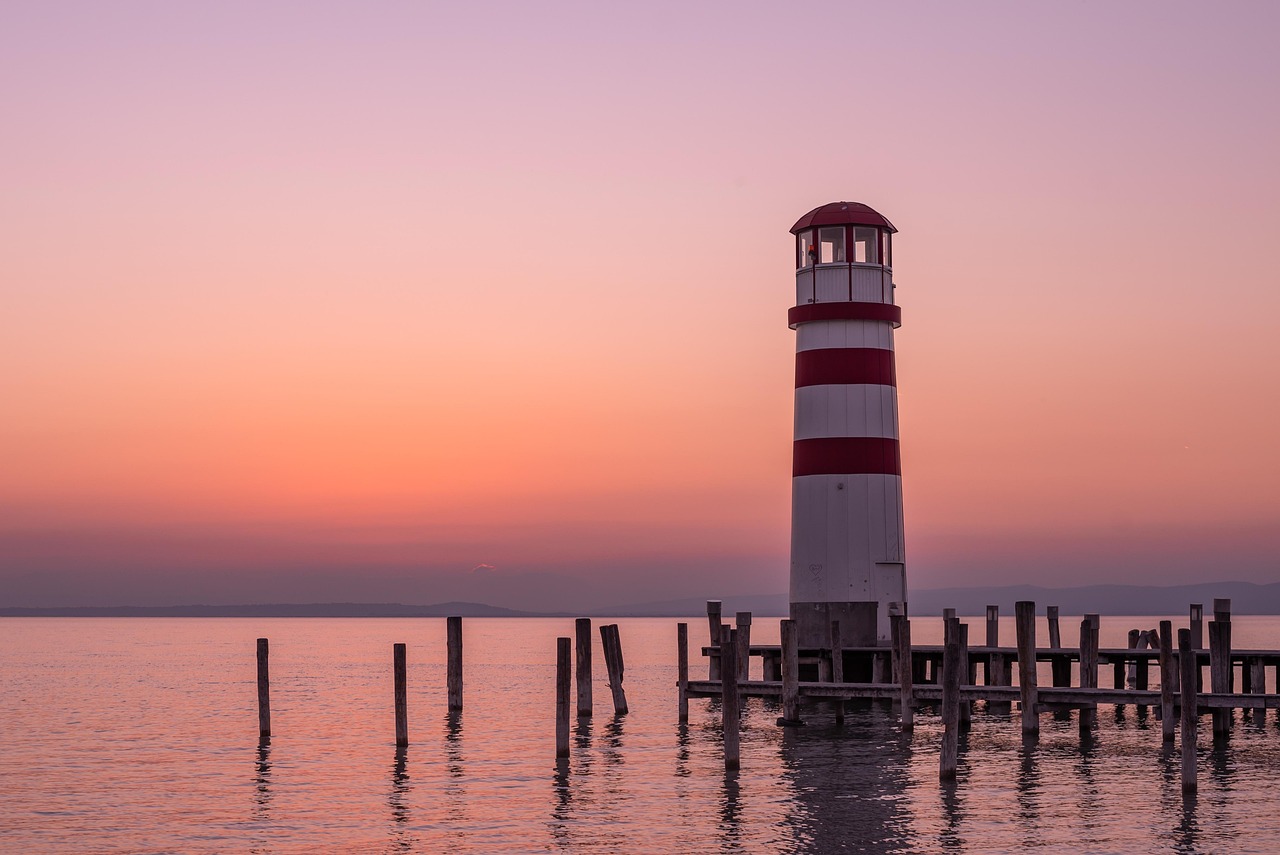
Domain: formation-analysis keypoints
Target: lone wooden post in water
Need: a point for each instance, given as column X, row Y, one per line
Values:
column 453, row 632
column 612, row 643
column 564, row 667
column 1190, row 715
column 582, row 637
column 729, row 703
column 1025, row 618
column 682, row 668
column 402, row 695
column 264, row 690
column 790, row 676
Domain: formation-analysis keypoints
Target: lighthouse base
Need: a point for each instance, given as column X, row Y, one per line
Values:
column 858, row 623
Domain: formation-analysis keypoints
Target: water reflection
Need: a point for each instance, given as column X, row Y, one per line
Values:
column 730, row 812
column 1028, row 791
column 562, row 805
column 401, row 835
column 262, row 780
column 1188, row 833
column 847, row 786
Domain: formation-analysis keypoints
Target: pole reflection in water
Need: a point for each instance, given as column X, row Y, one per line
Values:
column 262, row 780
column 455, row 792
column 847, row 786
column 731, row 812
column 1188, row 827
column 953, row 814
column 1028, row 792
column 562, row 808
column 401, row 835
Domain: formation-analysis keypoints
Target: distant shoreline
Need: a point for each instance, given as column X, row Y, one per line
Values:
column 1247, row 599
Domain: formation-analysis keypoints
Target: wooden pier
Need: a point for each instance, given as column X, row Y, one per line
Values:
column 915, row 676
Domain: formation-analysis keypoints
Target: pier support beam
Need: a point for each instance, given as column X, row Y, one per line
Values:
column 790, row 675
column 1025, row 618
column 1190, row 715
column 264, row 690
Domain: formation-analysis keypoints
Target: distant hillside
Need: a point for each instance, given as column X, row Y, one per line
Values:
column 1246, row 599
column 276, row 610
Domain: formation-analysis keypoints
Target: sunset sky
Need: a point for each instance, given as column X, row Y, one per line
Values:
column 396, row 301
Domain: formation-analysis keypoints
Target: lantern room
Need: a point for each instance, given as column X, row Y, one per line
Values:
column 844, row 253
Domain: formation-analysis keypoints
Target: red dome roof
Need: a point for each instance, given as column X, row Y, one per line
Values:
column 842, row 214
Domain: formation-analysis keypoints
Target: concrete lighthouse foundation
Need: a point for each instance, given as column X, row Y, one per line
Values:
column 847, row 555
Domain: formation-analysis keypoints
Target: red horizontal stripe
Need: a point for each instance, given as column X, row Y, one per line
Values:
column 845, row 455
column 843, row 365
column 844, row 311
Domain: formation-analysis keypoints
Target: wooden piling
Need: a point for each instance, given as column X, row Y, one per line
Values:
column 402, row 695
column 682, row 668
column 1187, row 667
column 453, row 632
column 837, row 664
column 713, row 623
column 612, row 644
column 564, row 654
column 906, row 674
column 790, row 676
column 962, row 637
column 952, row 666
column 1055, row 635
column 993, row 627
column 1220, row 670
column 1167, row 670
column 264, row 690
column 743, row 645
column 1141, row 666
column 1088, row 670
column 729, row 704
column 1132, row 666
column 1196, row 624
column 947, row 614
column 582, row 659
column 1025, row 619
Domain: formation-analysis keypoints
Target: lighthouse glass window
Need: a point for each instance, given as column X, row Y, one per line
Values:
column 865, row 246
column 831, row 246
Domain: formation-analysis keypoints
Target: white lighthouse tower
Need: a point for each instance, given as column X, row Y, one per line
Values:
column 846, row 488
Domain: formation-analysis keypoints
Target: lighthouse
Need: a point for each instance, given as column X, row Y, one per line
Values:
column 847, row 561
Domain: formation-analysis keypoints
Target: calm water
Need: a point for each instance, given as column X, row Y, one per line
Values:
column 123, row 735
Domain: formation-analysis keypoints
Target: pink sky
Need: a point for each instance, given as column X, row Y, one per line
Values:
column 337, row 301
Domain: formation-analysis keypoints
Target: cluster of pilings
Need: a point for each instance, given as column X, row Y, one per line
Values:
column 610, row 640
column 946, row 675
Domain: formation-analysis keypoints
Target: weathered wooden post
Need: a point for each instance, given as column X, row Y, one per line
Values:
column 402, row 694
column 952, row 665
column 612, row 644
column 993, row 626
column 743, row 645
column 1190, row 714
column 1059, row 666
column 713, row 623
column 453, row 632
column 1219, row 671
column 564, row 670
column 906, row 674
column 682, row 668
column 1025, row 619
column 1196, row 623
column 729, row 703
column 1134, row 638
column 1167, row 671
column 1088, row 670
column 1222, row 614
column 837, row 664
column 966, row 707
column 582, row 657
column 264, row 690
column 790, row 675
column 1055, row 635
